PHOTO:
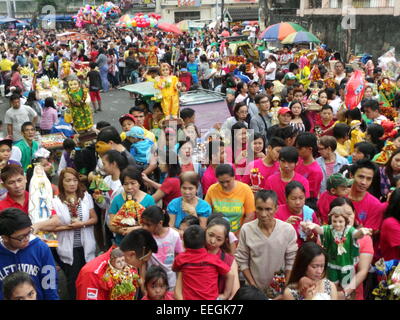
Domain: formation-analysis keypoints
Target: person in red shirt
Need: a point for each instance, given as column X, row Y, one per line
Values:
column 306, row 144
column 12, row 176
column 171, row 186
column 198, row 270
column 137, row 246
column 390, row 231
column 288, row 157
column 325, row 123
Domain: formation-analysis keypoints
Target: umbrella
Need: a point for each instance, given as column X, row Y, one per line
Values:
column 146, row 89
column 183, row 25
column 280, row 31
column 250, row 23
column 169, row 27
column 299, row 37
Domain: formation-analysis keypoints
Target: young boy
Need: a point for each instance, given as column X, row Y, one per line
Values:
column 199, row 270
column 341, row 133
column 324, row 125
column 306, row 144
column 67, row 160
column 189, row 118
column 336, row 186
column 266, row 166
column 94, row 86
column 288, row 157
column 141, row 146
column 127, row 122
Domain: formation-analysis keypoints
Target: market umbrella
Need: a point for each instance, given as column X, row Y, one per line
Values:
column 280, row 31
column 183, row 25
column 169, row 27
column 300, row 37
column 146, row 89
column 250, row 23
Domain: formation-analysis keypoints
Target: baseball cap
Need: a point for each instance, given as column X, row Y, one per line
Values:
column 336, row 180
column 290, row 76
column 6, row 141
column 136, row 132
column 252, row 82
column 126, row 116
column 276, row 98
column 284, row 110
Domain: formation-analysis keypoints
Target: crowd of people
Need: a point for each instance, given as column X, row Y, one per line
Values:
column 295, row 196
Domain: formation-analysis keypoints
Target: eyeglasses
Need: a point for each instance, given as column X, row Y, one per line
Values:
column 23, row 237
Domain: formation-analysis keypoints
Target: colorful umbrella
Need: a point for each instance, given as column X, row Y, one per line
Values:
column 183, row 25
column 280, row 31
column 169, row 27
column 250, row 23
column 300, row 37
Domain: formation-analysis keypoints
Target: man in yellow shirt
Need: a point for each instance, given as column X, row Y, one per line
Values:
column 232, row 198
column 5, row 64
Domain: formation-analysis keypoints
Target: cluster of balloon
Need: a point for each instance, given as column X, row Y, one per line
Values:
column 96, row 15
column 139, row 20
column 354, row 90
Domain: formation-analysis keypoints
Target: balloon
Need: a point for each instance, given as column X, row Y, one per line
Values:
column 134, row 23
column 354, row 90
column 146, row 16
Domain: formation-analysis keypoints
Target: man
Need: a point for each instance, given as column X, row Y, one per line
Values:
column 26, row 148
column 369, row 210
column 253, row 89
column 273, row 241
column 138, row 114
column 193, row 68
column 137, row 246
column 261, row 121
column 372, row 111
column 284, row 117
column 340, row 73
column 20, row 250
column 17, row 115
column 5, row 66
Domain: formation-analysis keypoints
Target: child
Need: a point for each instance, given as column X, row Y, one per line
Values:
column 199, row 270
column 336, row 186
column 67, row 158
column 156, row 284
column 121, row 279
column 288, row 158
column 127, row 122
column 324, row 125
column 341, row 133
column 94, row 87
column 140, row 148
column 189, row 118
column 153, row 120
column 185, row 76
column 339, row 240
column 168, row 240
column 307, row 166
column 19, row 286
column 49, row 116
column 186, row 223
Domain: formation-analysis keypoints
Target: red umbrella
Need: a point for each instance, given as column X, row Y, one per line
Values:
column 169, row 27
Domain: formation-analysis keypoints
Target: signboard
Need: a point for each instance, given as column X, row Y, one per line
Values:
column 227, row 16
column 189, row 3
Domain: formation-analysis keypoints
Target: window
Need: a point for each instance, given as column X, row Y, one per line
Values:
column 187, row 15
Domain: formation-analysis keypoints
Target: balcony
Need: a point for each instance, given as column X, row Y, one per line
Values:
column 361, row 7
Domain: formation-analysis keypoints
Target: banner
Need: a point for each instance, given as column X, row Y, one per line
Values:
column 189, row 3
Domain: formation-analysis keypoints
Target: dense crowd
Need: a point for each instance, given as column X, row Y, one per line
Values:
column 294, row 196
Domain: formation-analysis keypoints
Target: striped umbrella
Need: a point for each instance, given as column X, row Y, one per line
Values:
column 183, row 25
column 280, row 31
column 300, row 37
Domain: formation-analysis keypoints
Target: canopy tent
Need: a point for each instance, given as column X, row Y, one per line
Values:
column 72, row 36
column 7, row 20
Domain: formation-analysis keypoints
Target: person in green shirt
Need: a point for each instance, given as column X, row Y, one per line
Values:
column 26, row 148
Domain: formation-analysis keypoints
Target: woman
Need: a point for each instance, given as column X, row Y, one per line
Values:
column 270, row 69
column 322, row 98
column 237, row 152
column 132, row 182
column 112, row 68
column 16, row 80
column 169, row 189
column 374, row 134
column 299, row 120
column 241, row 112
column 311, row 262
column 295, row 210
column 189, row 203
column 101, row 62
column 217, row 242
column 188, row 161
column 258, row 146
column 76, row 242
column 49, row 116
column 215, row 153
column 241, row 92
column 366, row 255
column 204, row 72
column 390, row 230
column 389, row 173
column 232, row 198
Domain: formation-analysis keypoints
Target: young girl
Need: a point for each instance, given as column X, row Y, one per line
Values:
column 168, row 240
column 156, row 284
column 19, row 286
column 49, row 116
column 217, row 242
column 339, row 240
column 299, row 120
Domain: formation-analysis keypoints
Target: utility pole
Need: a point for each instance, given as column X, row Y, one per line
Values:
column 222, row 14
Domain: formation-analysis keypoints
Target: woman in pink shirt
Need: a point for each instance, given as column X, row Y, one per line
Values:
column 16, row 80
column 49, row 116
column 355, row 290
column 295, row 210
column 390, row 229
column 216, row 155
